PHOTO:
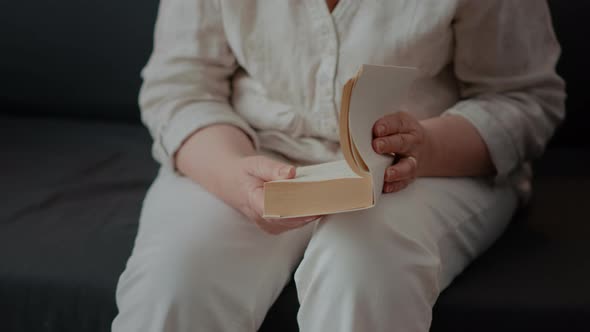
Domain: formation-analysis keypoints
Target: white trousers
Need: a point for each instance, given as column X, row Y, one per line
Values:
column 198, row 265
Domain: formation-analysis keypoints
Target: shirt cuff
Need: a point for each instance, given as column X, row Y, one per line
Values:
column 501, row 147
column 187, row 121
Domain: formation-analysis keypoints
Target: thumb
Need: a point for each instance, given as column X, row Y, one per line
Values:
column 269, row 169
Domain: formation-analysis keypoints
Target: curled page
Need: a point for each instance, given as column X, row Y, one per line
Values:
column 377, row 91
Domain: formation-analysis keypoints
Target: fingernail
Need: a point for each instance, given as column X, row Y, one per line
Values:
column 380, row 130
column 388, row 188
column 391, row 172
column 285, row 171
column 380, row 145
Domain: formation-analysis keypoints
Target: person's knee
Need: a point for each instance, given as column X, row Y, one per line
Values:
column 157, row 279
column 366, row 277
column 148, row 294
column 370, row 259
column 175, row 288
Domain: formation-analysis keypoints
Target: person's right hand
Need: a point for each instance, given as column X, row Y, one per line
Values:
column 249, row 176
column 233, row 172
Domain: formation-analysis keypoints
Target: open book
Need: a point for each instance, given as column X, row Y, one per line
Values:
column 356, row 182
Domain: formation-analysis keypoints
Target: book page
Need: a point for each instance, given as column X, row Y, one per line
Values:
column 323, row 172
column 378, row 91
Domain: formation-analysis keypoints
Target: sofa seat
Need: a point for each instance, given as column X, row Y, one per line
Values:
column 71, row 196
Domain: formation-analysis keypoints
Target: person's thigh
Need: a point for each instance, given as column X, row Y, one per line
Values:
column 455, row 219
column 198, row 264
column 389, row 263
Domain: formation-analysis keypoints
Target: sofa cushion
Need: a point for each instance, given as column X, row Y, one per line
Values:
column 74, row 57
column 71, row 194
column 569, row 20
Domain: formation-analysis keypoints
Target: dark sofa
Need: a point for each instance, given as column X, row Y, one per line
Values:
column 75, row 164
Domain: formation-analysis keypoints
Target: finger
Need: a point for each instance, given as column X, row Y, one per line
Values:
column 294, row 222
column 268, row 169
column 398, row 143
column 269, row 227
column 394, row 123
column 278, row 226
column 257, row 201
column 404, row 169
column 391, row 187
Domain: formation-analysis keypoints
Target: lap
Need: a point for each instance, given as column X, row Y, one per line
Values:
column 450, row 220
column 191, row 242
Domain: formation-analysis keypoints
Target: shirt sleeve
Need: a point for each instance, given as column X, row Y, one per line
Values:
column 187, row 79
column 505, row 57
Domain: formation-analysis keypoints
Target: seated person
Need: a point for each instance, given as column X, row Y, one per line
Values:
column 237, row 93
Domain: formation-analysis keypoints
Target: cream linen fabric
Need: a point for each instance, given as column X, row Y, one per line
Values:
column 276, row 69
column 198, row 265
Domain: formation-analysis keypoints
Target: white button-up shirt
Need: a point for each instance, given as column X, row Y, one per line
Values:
column 275, row 69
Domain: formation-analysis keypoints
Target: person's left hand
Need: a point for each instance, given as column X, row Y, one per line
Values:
column 401, row 134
